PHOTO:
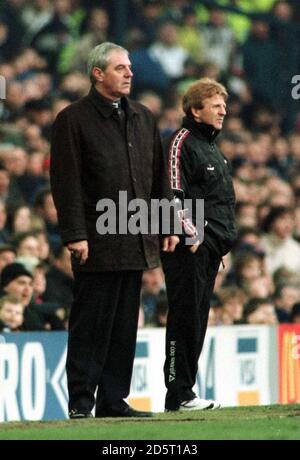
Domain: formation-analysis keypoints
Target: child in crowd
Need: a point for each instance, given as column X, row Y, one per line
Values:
column 11, row 313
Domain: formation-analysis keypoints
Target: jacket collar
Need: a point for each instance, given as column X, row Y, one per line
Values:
column 105, row 108
column 201, row 130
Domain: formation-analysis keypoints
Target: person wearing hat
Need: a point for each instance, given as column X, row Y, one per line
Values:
column 17, row 280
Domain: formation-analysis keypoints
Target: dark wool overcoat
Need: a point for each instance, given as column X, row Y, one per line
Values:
column 94, row 157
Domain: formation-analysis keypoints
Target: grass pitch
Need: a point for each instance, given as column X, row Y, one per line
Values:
column 277, row 422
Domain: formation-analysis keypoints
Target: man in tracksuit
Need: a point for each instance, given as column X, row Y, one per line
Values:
column 197, row 170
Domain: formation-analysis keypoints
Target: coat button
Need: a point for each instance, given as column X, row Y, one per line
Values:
column 129, row 144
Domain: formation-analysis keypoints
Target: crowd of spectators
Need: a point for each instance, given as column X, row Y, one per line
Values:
column 250, row 46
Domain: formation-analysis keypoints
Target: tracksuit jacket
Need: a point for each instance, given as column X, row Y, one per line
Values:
column 198, row 170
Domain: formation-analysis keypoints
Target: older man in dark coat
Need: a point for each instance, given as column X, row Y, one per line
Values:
column 101, row 145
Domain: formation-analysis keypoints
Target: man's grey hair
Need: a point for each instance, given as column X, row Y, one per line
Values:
column 100, row 55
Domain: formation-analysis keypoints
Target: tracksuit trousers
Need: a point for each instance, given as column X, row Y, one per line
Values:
column 102, row 337
column 190, row 280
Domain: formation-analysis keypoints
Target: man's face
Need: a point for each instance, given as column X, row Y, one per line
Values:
column 22, row 288
column 115, row 81
column 213, row 111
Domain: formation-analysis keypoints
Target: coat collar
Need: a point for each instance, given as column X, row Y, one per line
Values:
column 105, row 108
column 200, row 129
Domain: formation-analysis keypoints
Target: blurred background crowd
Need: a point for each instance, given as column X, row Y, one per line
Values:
column 251, row 46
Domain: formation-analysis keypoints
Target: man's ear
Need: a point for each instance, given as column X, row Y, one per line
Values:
column 97, row 74
column 196, row 114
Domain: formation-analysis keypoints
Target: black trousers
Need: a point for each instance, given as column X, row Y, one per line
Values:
column 102, row 337
column 190, row 281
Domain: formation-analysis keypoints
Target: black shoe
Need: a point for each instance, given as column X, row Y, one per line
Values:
column 121, row 410
column 79, row 414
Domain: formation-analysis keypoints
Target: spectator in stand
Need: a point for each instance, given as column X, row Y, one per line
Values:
column 161, row 311
column 3, row 40
column 7, row 255
column 26, row 244
column 15, row 161
column 232, row 300
column 4, row 180
column 167, row 51
column 281, row 161
column 147, row 70
column 169, row 121
column 149, row 19
column 59, row 281
column 260, row 311
column 44, row 253
column 38, row 111
column 246, row 215
column 284, row 298
column 95, row 26
column 283, row 276
column 248, row 239
column 14, row 102
column 152, row 101
column 218, row 41
column 35, row 15
column 294, row 147
column 74, row 85
column 259, row 287
column 190, row 34
column 295, row 313
column 281, row 249
column 10, row 193
column 21, row 220
column 247, row 266
column 14, row 28
column 39, row 282
column 297, row 224
column 44, row 207
column 17, row 280
column 215, row 316
column 260, row 54
column 279, row 192
column 4, row 234
column 34, row 141
column 152, row 285
column 34, row 178
column 11, row 314
column 54, row 35
column 42, row 305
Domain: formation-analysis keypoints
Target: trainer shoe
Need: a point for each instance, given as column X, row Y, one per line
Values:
column 199, row 404
column 79, row 414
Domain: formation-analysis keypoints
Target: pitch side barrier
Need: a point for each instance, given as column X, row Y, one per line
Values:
column 240, row 365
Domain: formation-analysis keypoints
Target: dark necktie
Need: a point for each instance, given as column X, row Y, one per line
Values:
column 120, row 114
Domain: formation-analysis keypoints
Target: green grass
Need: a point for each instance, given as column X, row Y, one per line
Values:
column 277, row 422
